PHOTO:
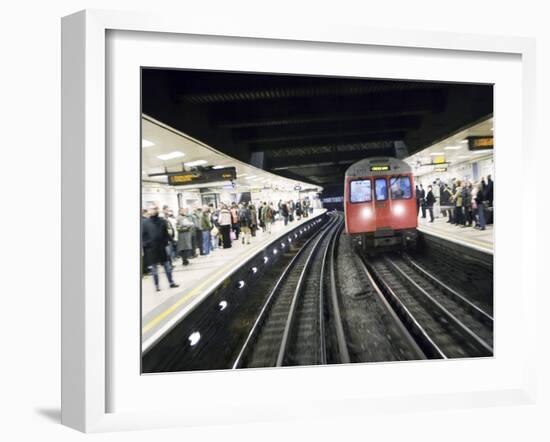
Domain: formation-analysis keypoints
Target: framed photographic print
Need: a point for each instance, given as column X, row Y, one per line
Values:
column 317, row 229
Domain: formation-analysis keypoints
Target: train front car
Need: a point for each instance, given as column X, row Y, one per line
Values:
column 380, row 204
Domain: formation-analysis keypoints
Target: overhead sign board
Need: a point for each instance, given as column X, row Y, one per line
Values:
column 480, row 143
column 379, row 168
column 202, row 176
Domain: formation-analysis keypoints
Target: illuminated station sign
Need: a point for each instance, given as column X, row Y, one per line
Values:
column 202, row 176
column 379, row 168
column 480, row 143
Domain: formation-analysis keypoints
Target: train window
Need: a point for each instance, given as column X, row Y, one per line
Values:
column 400, row 188
column 360, row 191
column 381, row 189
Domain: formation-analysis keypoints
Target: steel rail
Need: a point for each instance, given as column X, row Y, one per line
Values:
column 480, row 313
column 428, row 346
column 404, row 331
column 291, row 314
column 261, row 316
column 338, row 324
column 473, row 337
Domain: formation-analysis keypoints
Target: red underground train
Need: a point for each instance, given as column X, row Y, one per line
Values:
column 380, row 203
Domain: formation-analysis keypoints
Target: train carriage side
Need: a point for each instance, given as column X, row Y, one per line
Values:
column 380, row 203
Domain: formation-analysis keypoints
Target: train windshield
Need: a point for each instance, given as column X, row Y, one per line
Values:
column 400, row 187
column 360, row 191
column 381, row 189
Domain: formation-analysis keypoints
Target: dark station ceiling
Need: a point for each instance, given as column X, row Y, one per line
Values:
column 310, row 128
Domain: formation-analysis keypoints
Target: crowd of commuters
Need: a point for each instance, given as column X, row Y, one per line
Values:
column 465, row 203
column 167, row 238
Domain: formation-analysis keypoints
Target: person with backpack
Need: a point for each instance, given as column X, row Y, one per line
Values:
column 268, row 216
column 245, row 221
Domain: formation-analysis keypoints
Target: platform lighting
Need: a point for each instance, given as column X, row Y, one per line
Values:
column 219, row 167
column 222, row 305
column 453, row 147
column 146, row 143
column 196, row 163
column 436, row 153
column 274, row 251
column 194, row 338
column 254, row 269
column 251, row 177
column 289, row 239
column 240, row 284
column 464, row 141
column 266, row 259
column 171, row 155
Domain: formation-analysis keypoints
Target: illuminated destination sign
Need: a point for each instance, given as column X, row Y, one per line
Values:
column 379, row 168
column 202, row 176
column 440, row 169
column 480, row 143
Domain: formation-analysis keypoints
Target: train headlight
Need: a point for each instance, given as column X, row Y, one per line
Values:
column 366, row 213
column 398, row 209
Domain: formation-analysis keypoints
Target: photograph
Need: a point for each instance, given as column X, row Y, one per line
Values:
column 307, row 220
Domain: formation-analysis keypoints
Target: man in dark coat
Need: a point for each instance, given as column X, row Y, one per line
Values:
column 422, row 194
column 430, row 200
column 154, row 239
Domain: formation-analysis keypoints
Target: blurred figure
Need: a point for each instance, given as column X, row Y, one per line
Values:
column 418, row 197
column 154, row 239
column 253, row 219
column 447, row 196
column 205, row 227
column 235, row 219
column 184, row 227
column 298, row 210
column 284, row 212
column 245, row 221
column 457, row 200
column 479, row 207
column 467, row 204
column 225, row 226
column 422, row 200
column 267, row 216
column 197, row 216
column 430, row 201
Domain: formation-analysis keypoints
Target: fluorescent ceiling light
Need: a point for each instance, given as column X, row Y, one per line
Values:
column 171, row 155
column 453, row 147
column 464, row 141
column 146, row 143
column 219, row 167
column 436, row 153
column 251, row 177
column 196, row 163
column 463, row 156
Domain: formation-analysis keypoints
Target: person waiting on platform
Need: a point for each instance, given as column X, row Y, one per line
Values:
column 184, row 227
column 154, row 239
column 298, row 210
column 467, row 204
column 224, row 221
column 253, row 219
column 446, row 201
column 457, row 200
column 422, row 193
column 430, row 201
column 284, row 212
column 235, row 219
column 245, row 221
column 479, row 207
column 268, row 215
column 205, row 226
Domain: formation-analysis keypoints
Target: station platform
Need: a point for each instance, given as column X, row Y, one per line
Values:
column 161, row 310
column 481, row 240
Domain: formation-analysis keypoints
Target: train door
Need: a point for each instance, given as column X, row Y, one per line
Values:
column 382, row 204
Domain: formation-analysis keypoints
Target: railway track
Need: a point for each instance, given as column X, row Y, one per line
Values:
column 290, row 328
column 442, row 321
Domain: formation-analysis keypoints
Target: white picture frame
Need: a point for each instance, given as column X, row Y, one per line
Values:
column 86, row 318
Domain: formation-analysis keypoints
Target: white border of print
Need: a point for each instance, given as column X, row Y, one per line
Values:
column 102, row 391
